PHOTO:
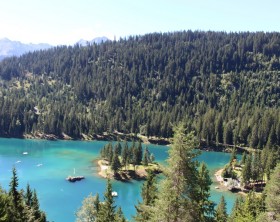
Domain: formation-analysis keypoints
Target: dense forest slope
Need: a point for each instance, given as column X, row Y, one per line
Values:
column 226, row 86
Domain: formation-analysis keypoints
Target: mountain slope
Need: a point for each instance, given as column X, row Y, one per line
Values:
column 225, row 87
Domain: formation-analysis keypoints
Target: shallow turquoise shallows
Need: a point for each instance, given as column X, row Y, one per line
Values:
column 46, row 164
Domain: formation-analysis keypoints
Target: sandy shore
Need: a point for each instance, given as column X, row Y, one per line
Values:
column 218, row 176
column 103, row 169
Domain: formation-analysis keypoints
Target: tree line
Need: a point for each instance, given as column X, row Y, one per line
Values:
column 225, row 86
column 20, row 205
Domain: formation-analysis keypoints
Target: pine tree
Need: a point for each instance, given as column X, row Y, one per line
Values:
column 219, row 129
column 125, row 155
column 235, row 210
column 115, row 164
column 152, row 157
column 110, row 153
column 107, row 209
column 205, row 207
column 256, row 167
column 139, row 153
column 246, row 171
column 232, row 156
column 16, row 210
column 28, row 196
column 96, row 203
column 118, row 148
column 221, row 211
column 272, row 194
column 4, row 201
column 38, row 214
column 149, row 195
column 146, row 157
column 179, row 190
column 119, row 215
column 243, row 158
column 134, row 158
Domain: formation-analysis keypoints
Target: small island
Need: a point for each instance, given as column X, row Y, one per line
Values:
column 126, row 163
column 74, row 178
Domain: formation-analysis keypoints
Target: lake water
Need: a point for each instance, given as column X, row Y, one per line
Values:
column 48, row 163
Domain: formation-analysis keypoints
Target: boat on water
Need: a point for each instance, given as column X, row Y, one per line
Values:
column 25, row 153
column 114, row 194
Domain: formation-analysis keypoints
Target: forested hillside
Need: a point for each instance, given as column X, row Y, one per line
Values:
column 226, row 86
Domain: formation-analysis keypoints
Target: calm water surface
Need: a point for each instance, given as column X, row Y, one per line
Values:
column 48, row 163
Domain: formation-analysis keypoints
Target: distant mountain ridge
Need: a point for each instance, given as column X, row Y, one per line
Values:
column 15, row 48
column 96, row 40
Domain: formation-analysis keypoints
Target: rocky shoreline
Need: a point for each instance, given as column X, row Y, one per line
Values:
column 222, row 185
column 104, row 137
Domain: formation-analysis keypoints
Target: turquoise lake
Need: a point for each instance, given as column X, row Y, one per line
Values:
column 48, row 163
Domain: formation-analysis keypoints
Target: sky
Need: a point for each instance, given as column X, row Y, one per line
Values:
column 60, row 22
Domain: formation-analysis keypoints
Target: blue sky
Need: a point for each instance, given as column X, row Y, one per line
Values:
column 66, row 22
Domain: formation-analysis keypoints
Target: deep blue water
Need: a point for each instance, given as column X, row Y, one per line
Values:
column 48, row 163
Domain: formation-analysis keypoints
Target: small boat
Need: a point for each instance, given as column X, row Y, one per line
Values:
column 25, row 153
column 40, row 164
column 18, row 161
column 114, row 194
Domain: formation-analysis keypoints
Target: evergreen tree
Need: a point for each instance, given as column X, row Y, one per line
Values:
column 119, row 215
column 134, row 154
column 232, row 156
column 28, row 196
column 149, row 195
column 125, row 155
column 16, row 210
column 115, row 164
column 256, row 167
column 118, row 148
column 219, row 129
column 236, row 209
column 248, row 210
column 152, row 157
column 4, row 201
column 270, row 163
column 38, row 214
column 273, row 194
column 221, row 211
column 110, row 153
column 243, row 158
column 146, row 157
column 107, row 209
column 139, row 154
column 178, row 199
column 247, row 170
column 205, row 208
column 96, row 203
